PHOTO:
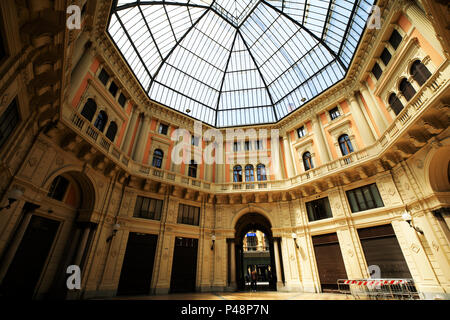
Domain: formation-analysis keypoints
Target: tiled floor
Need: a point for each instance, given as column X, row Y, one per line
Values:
column 264, row 295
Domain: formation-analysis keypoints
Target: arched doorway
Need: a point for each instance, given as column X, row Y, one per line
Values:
column 248, row 224
column 50, row 235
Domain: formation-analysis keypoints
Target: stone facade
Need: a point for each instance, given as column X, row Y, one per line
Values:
column 52, row 74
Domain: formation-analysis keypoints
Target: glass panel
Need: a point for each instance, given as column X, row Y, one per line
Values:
column 137, row 207
column 319, row 209
column 395, row 39
column 151, row 209
column 103, row 77
column 361, row 201
column 58, row 188
column 385, row 56
column 113, row 88
column 376, row 70
column 232, row 63
column 196, row 216
column 310, row 210
column 376, row 196
column 301, row 132
column 8, row 122
column 145, row 208
column 369, row 198
column 158, row 209
column 122, row 100
column 327, row 208
column 180, row 213
column 352, row 200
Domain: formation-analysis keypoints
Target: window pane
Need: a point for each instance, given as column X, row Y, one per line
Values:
column 188, row 214
column 138, row 207
column 301, row 132
column 2, row 45
column 151, row 209
column 309, row 209
column 376, row 195
column 145, row 207
column 113, row 89
column 360, row 199
column 368, row 196
column 163, row 129
column 334, row 113
column 8, row 122
column 395, row 39
column 122, row 100
column 376, row 70
column 196, row 216
column 385, row 56
column 148, row 208
column 180, row 214
column 58, row 188
column 319, row 209
column 327, row 208
column 352, row 201
column 364, row 198
column 103, row 76
column 158, row 209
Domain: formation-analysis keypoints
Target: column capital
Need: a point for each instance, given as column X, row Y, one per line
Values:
column 363, row 87
column 352, row 97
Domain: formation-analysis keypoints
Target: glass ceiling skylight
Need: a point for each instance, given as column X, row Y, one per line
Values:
column 238, row 62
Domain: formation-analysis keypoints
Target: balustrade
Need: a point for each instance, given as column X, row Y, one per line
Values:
column 411, row 111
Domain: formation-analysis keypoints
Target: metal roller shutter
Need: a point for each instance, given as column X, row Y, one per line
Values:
column 381, row 248
column 329, row 260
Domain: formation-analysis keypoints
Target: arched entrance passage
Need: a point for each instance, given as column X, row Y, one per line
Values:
column 250, row 222
column 50, row 235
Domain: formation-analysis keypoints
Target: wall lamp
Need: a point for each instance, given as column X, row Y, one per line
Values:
column 407, row 217
column 213, row 239
column 13, row 195
column 116, row 228
column 294, row 236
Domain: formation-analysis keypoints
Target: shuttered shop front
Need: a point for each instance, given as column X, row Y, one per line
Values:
column 329, row 260
column 382, row 249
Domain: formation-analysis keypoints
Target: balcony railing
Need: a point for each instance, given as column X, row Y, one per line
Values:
column 411, row 111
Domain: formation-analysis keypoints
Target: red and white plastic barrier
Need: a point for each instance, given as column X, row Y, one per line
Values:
column 375, row 282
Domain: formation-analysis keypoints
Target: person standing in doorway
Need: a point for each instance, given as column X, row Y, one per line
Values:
column 254, row 277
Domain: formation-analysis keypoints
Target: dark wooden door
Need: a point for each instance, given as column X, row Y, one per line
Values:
column 329, row 260
column 184, row 266
column 26, row 267
column 381, row 248
column 137, row 267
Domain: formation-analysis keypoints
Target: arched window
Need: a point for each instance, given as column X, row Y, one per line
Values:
column 307, row 161
column 419, row 72
column 395, row 103
column 100, row 123
column 237, row 174
column 407, row 89
column 192, row 170
column 89, row 109
column 261, row 172
column 345, row 144
column 58, row 188
column 158, row 156
column 112, row 131
column 249, row 173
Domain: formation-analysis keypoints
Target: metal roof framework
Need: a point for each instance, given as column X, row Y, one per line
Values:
column 237, row 62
